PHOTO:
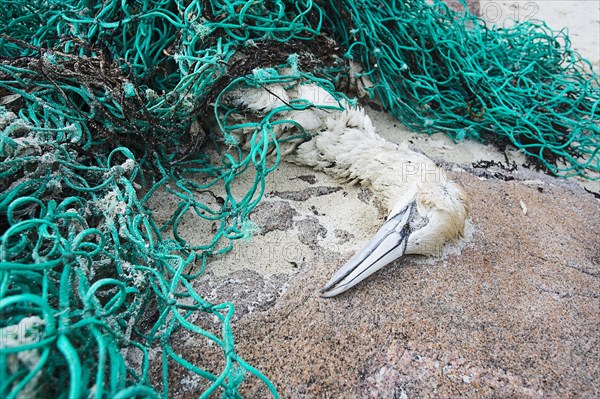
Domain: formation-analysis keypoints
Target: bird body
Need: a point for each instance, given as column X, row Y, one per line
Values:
column 426, row 208
column 349, row 149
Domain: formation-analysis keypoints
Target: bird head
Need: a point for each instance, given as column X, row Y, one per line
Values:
column 422, row 220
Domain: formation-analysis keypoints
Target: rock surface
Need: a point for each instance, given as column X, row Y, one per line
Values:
column 516, row 314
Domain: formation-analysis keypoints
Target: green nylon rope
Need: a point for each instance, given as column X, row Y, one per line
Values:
column 439, row 71
column 103, row 106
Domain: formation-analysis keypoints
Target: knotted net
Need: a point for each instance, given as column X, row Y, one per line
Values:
column 105, row 103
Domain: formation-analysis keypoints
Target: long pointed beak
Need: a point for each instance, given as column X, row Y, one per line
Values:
column 388, row 244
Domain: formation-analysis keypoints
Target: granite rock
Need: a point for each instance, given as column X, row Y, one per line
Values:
column 515, row 314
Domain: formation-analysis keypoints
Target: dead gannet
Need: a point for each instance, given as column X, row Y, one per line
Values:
column 426, row 208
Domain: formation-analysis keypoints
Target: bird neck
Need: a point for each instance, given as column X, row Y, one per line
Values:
column 350, row 149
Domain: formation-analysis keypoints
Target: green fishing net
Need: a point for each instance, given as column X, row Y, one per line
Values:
column 104, row 104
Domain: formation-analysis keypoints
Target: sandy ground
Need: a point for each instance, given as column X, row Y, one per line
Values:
column 310, row 224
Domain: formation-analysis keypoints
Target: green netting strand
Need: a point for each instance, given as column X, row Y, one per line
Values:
column 436, row 70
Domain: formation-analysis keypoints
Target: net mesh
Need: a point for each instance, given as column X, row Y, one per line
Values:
column 105, row 104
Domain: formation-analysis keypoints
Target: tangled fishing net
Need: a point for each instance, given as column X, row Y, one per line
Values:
column 105, row 103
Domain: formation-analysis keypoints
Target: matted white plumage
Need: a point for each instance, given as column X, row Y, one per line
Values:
column 426, row 208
